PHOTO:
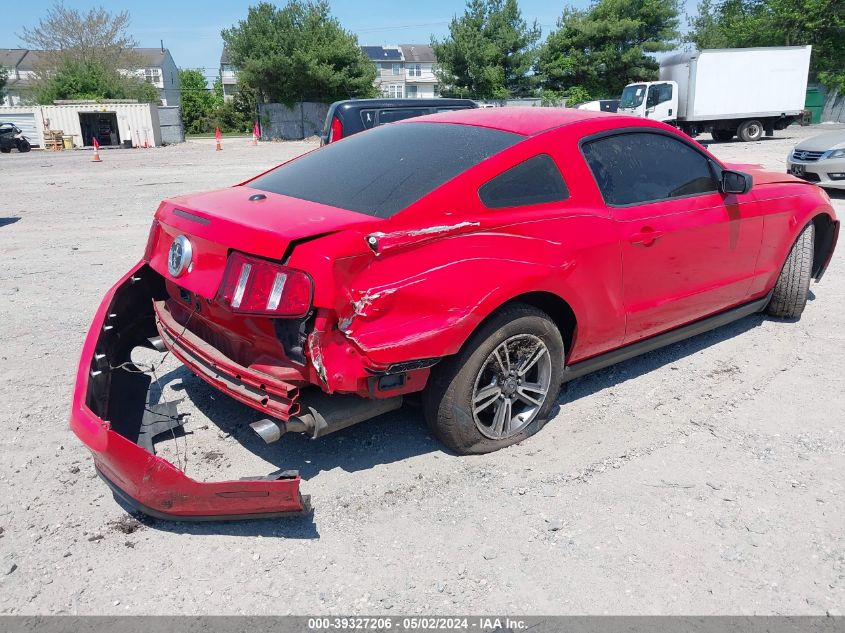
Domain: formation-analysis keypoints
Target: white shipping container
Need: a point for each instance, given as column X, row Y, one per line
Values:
column 135, row 122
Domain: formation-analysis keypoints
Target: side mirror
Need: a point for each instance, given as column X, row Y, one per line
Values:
column 736, row 182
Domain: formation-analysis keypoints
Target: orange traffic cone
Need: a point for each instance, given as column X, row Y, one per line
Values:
column 96, row 158
column 217, row 136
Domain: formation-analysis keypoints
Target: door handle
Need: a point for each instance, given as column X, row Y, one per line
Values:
column 645, row 236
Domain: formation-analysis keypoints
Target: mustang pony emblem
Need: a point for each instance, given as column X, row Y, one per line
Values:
column 179, row 257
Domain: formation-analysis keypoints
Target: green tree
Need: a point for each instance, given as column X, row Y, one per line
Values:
column 92, row 80
column 488, row 53
column 597, row 51
column 298, row 52
column 198, row 102
column 741, row 23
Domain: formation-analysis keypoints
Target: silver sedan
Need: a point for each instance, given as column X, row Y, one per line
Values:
column 820, row 159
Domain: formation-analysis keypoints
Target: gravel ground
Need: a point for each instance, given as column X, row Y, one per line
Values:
column 704, row 478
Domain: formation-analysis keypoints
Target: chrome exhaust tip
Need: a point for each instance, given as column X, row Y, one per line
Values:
column 157, row 344
column 267, row 430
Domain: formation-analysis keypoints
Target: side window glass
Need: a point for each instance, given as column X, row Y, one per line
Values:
column 397, row 114
column 642, row 167
column 534, row 181
column 659, row 93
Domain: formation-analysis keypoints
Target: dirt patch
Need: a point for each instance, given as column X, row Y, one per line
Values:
column 129, row 524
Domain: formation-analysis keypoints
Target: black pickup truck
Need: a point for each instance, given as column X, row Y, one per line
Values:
column 345, row 118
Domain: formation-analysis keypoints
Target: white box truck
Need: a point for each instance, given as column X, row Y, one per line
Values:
column 728, row 91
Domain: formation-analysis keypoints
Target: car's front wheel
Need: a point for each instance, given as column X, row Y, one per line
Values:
column 790, row 294
column 501, row 386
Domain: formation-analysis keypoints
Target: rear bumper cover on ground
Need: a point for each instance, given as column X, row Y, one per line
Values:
column 141, row 479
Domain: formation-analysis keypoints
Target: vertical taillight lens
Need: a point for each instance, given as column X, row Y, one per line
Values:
column 337, row 130
column 257, row 286
column 152, row 238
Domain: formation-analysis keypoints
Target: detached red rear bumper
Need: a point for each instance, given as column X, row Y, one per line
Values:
column 151, row 484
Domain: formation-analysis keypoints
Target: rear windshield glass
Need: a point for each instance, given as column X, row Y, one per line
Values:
column 384, row 170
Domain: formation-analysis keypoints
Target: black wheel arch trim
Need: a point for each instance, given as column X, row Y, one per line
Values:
column 825, row 243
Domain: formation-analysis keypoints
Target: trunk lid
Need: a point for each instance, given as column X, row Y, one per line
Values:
column 217, row 222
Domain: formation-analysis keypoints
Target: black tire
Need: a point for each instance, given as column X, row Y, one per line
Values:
column 722, row 135
column 24, row 146
column 6, row 150
column 448, row 397
column 793, row 284
column 751, row 130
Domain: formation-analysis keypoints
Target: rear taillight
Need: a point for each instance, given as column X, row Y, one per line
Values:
column 152, row 238
column 337, row 130
column 257, row 286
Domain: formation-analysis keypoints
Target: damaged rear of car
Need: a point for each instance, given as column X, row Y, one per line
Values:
column 258, row 290
column 473, row 257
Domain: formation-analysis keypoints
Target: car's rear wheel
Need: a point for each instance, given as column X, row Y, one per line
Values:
column 750, row 130
column 793, row 284
column 722, row 135
column 499, row 389
column 6, row 150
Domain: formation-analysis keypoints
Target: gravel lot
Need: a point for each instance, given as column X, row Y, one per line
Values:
column 706, row 478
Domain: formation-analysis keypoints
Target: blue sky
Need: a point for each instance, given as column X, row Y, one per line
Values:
column 191, row 28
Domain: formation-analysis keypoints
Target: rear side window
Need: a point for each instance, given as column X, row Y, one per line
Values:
column 397, row 114
column 534, row 181
column 384, row 170
column 640, row 167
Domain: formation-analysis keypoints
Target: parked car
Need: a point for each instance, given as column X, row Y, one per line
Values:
column 600, row 105
column 11, row 137
column 345, row 118
column 820, row 159
column 479, row 258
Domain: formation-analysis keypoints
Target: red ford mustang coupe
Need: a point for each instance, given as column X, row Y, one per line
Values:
column 480, row 258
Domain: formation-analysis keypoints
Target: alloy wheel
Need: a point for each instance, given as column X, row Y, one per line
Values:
column 512, row 386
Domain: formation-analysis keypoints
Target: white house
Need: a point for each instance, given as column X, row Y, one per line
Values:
column 161, row 71
column 404, row 70
column 19, row 73
column 420, row 80
column 228, row 76
column 21, row 65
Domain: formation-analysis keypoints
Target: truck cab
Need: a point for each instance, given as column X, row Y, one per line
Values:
column 656, row 100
